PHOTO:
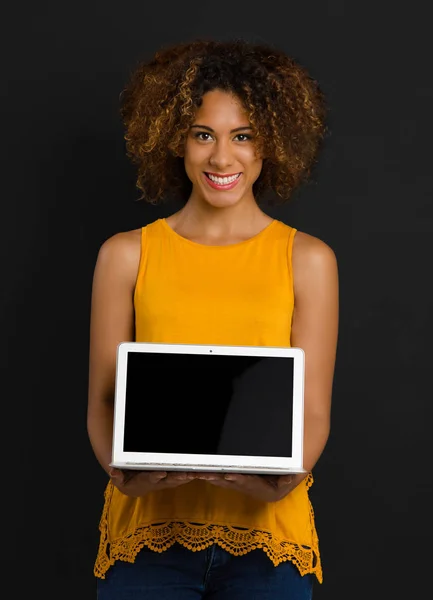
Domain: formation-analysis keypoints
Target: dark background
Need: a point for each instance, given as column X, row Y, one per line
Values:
column 67, row 186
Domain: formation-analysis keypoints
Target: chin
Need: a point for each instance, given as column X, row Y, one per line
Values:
column 222, row 201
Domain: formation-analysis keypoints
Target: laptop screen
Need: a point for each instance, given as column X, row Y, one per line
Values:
column 208, row 404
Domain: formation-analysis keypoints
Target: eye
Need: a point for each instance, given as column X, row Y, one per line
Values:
column 243, row 137
column 203, row 136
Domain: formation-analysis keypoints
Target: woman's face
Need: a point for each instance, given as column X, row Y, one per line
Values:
column 220, row 154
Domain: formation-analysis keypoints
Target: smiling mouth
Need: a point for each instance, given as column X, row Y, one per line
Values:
column 222, row 181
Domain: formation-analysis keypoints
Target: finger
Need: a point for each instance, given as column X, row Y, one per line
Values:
column 112, row 472
column 208, row 476
column 128, row 475
column 155, row 476
column 284, row 480
column 242, row 482
column 116, row 476
column 178, row 476
column 273, row 479
column 221, row 482
column 239, row 478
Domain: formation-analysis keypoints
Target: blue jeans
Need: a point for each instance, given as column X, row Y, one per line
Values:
column 211, row 574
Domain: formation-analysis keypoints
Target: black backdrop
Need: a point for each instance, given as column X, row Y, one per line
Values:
column 67, row 186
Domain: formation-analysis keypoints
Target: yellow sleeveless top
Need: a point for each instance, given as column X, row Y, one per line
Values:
column 240, row 294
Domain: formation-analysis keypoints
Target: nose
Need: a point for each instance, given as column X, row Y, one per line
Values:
column 221, row 156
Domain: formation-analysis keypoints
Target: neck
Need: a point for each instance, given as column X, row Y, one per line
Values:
column 218, row 225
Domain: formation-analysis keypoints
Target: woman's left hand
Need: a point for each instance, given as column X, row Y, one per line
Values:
column 268, row 488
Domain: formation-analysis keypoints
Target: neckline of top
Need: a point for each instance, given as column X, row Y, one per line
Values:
column 163, row 221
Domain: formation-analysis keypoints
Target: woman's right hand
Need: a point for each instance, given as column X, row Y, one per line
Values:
column 138, row 483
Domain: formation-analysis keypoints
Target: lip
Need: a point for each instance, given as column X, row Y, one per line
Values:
column 227, row 186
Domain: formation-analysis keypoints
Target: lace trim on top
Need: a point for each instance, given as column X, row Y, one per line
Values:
column 199, row 536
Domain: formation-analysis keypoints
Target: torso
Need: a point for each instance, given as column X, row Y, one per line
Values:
column 304, row 246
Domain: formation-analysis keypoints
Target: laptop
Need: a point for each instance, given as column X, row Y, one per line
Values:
column 204, row 408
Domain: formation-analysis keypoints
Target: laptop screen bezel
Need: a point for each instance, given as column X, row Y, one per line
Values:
column 152, row 460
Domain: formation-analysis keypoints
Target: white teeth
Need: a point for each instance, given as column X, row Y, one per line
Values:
column 223, row 180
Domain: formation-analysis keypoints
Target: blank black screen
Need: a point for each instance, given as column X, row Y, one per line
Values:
column 209, row 404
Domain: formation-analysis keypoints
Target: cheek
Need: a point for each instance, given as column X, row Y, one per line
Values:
column 250, row 156
column 195, row 155
column 189, row 170
column 255, row 162
column 193, row 161
column 258, row 169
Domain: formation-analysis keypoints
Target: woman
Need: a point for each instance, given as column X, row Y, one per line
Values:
column 215, row 124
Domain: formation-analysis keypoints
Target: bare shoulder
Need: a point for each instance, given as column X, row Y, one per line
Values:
column 312, row 260
column 122, row 246
column 309, row 251
column 119, row 256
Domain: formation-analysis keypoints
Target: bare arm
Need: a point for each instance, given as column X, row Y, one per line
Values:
column 315, row 330
column 111, row 322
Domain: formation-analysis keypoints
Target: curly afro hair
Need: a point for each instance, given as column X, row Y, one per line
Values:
column 286, row 109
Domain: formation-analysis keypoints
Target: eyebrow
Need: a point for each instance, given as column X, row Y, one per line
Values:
column 212, row 131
